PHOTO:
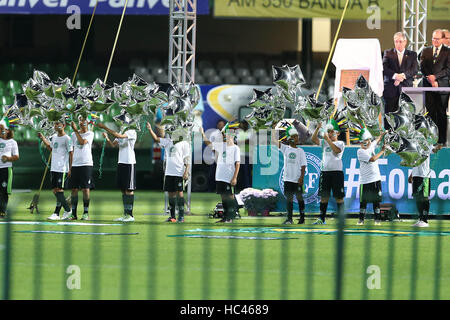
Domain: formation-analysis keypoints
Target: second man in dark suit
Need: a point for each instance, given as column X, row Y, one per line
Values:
column 399, row 68
column 435, row 67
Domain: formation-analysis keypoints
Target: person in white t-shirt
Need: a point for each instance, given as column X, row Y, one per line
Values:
column 61, row 162
column 293, row 173
column 421, row 184
column 369, row 175
column 126, row 167
column 178, row 153
column 332, row 174
column 213, row 135
column 82, row 165
column 228, row 159
column 9, row 152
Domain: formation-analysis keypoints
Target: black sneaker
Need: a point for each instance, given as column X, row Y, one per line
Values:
column 301, row 220
column 221, row 221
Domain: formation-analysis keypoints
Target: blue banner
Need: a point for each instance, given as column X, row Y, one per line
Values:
column 267, row 173
column 104, row 7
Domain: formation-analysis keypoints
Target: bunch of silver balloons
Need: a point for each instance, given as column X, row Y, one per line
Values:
column 45, row 101
column 363, row 106
column 411, row 135
column 269, row 108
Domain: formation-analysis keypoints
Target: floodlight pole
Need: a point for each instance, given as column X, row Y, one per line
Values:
column 414, row 23
column 182, row 32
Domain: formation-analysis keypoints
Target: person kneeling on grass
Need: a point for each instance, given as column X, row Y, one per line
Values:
column 293, row 173
column 62, row 154
column 178, row 153
column 9, row 152
column 228, row 158
column 369, row 175
column 126, row 168
column 421, row 183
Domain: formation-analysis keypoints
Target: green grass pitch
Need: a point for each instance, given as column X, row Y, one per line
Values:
column 158, row 263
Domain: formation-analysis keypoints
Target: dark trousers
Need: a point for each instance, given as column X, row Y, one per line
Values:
column 245, row 174
column 436, row 105
column 212, row 177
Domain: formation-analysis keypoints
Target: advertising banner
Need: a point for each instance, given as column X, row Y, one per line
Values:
column 267, row 173
column 357, row 9
column 105, row 7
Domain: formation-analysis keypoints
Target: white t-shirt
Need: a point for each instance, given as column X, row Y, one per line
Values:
column 8, row 148
column 177, row 155
column 423, row 170
column 294, row 159
column 82, row 154
column 61, row 146
column 226, row 157
column 126, row 147
column 208, row 154
column 331, row 161
column 368, row 171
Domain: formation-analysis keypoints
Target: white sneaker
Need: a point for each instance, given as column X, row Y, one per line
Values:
column 120, row 219
column 422, row 224
column 416, row 224
column 66, row 215
column 54, row 216
column 128, row 218
column 360, row 222
column 377, row 223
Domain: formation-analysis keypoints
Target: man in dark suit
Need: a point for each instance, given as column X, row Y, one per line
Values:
column 399, row 68
column 435, row 66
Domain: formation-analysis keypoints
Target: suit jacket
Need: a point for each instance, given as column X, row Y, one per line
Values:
column 391, row 66
column 440, row 69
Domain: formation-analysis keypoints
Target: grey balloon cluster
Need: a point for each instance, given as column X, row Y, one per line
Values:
column 269, row 108
column 410, row 135
column 45, row 101
column 363, row 106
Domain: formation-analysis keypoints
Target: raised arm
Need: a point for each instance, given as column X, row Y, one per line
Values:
column 112, row 144
column 315, row 136
column 80, row 139
column 152, row 133
column 378, row 155
column 205, row 139
column 45, row 141
column 275, row 138
column 333, row 147
column 112, row 132
column 377, row 140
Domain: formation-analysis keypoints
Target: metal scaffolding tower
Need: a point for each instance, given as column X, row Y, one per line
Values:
column 182, row 32
column 182, row 24
column 414, row 23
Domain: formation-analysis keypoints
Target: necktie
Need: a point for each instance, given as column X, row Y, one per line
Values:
column 400, row 58
column 435, row 55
